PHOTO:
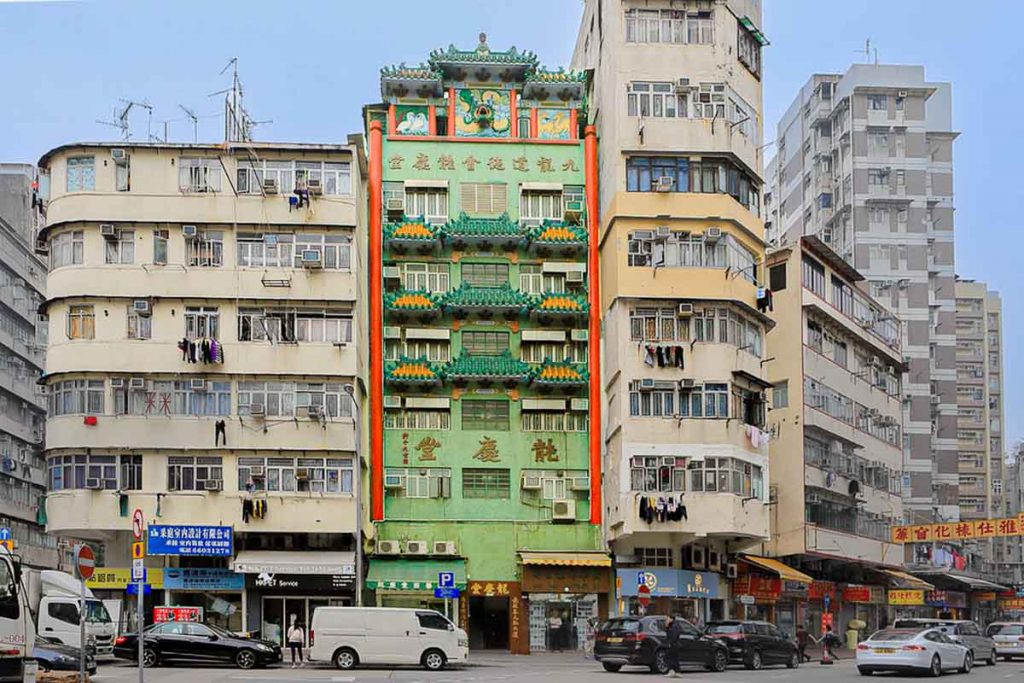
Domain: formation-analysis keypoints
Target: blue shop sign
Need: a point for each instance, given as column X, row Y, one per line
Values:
column 698, row 584
column 201, row 579
column 208, row 541
column 668, row 583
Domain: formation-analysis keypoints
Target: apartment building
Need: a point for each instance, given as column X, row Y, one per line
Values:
column 484, row 381
column 837, row 462
column 22, row 349
column 676, row 94
column 204, row 307
column 864, row 162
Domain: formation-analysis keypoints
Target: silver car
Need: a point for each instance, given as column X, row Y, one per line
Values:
column 912, row 651
column 960, row 630
column 1008, row 637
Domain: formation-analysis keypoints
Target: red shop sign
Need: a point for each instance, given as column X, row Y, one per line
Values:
column 820, row 589
column 761, row 587
column 161, row 614
column 857, row 594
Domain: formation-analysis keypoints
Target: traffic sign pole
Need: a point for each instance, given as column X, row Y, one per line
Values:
column 138, row 529
column 81, row 631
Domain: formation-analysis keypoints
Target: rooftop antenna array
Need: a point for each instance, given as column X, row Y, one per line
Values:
column 238, row 124
column 120, row 118
column 868, row 52
column 195, row 122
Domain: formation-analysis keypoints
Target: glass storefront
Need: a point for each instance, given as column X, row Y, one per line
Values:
column 561, row 622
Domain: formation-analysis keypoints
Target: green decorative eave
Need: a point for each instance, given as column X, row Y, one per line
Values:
column 421, row 72
column 504, row 299
column 412, row 371
column 560, row 373
column 466, row 230
column 557, row 77
column 483, row 55
column 411, row 232
column 746, row 23
column 561, row 305
column 409, row 301
column 468, row 367
column 556, row 232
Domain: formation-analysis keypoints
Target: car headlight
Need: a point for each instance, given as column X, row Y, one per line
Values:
column 264, row 647
column 66, row 658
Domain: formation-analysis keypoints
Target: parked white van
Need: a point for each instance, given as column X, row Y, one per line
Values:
column 350, row 636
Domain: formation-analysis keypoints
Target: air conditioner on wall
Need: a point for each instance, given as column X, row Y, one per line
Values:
column 574, row 277
column 683, row 86
column 563, row 510
column 119, row 155
column 213, row 485
column 532, row 482
column 395, row 205
column 388, row 547
column 684, row 311
column 197, row 384
column 445, row 548
column 393, row 481
column 415, row 548
column 108, row 231
column 311, row 258
column 314, row 186
column 270, row 185
column 712, row 235
column 664, row 183
column 257, row 472
column 93, row 484
column 647, row 383
column 117, row 382
column 732, row 570
column 189, row 231
column 137, row 383
column 142, row 307
column 257, row 409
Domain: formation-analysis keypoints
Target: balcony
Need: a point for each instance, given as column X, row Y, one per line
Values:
column 483, row 233
column 708, row 514
column 405, row 305
column 485, row 303
column 553, row 239
column 854, row 547
column 560, row 309
column 413, row 373
column 412, row 235
column 487, row 371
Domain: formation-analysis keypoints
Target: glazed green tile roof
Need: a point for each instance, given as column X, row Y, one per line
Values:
column 503, row 366
column 420, row 72
column 469, row 296
column 560, row 372
column 464, row 226
column 409, row 300
column 560, row 303
column 556, row 77
column 553, row 232
column 483, row 55
column 411, row 370
column 413, row 229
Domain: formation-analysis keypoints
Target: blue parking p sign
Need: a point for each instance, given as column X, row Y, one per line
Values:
column 446, row 579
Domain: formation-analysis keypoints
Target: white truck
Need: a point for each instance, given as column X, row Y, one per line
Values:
column 54, row 597
column 17, row 632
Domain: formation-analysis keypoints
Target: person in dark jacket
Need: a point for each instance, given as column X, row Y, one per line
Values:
column 803, row 639
column 673, row 631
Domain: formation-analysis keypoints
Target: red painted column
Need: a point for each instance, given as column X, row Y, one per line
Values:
column 451, row 112
column 514, row 112
column 574, row 126
column 376, row 331
column 533, row 123
column 594, row 335
column 392, row 120
column 431, row 119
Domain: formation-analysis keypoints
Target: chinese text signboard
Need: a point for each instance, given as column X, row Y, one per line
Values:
column 207, row 541
column 906, row 597
column 161, row 614
column 956, row 531
column 759, row 587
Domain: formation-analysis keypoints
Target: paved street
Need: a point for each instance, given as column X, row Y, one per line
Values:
column 486, row 668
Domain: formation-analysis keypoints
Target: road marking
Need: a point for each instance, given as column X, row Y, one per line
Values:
column 343, row 679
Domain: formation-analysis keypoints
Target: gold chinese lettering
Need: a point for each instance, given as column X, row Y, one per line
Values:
column 426, row 447
column 521, row 164
column 496, row 164
column 470, row 162
column 544, row 452
column 545, row 166
column 422, row 162
column 488, row 451
column 395, row 161
column 569, row 165
column 445, row 162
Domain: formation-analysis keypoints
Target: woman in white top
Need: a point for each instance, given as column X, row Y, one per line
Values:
column 296, row 638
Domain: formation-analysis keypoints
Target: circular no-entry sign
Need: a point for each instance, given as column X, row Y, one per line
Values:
column 137, row 524
column 643, row 595
column 85, row 561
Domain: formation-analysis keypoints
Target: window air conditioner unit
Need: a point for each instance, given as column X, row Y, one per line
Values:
column 108, row 231
column 257, row 472
column 388, row 548
column 392, row 401
column 579, row 404
column 647, row 383
column 213, row 485
column 664, row 183
column 712, row 235
column 314, row 412
column 119, row 155
column 197, row 384
column 444, row 548
column 312, row 258
column 93, row 484
column 257, row 409
column 579, row 483
column 574, row 277
column 901, row 93
column 936, row 400
column 270, row 186
column 392, row 273
column 684, row 311
column 563, row 510
column 686, row 383
column 531, row 482
column 393, row 481
column 395, row 205
column 137, row 383
column 142, row 307
column 117, row 382
column 392, row 332
column 415, row 548
column 579, row 335
column 189, row 231
column 683, row 86
column 302, row 473
column 315, row 186
column 694, row 557
column 663, row 232
column 732, row 570
column 573, row 210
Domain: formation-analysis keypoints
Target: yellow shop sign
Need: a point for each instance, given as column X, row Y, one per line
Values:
column 118, row 578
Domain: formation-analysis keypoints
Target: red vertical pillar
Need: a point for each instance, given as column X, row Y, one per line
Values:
column 392, row 120
column 451, row 112
column 514, row 112
column 574, row 132
column 594, row 335
column 533, row 123
column 376, row 331
column 431, row 119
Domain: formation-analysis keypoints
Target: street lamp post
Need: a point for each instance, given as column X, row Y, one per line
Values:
column 357, row 486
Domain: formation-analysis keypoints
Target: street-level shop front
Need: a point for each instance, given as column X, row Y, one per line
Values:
column 942, row 604
column 412, row 582
column 283, row 588
column 217, row 591
column 690, row 594
column 771, row 590
column 113, row 585
column 567, row 594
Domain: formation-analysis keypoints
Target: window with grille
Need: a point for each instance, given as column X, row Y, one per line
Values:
column 206, row 250
column 533, row 280
column 270, row 250
column 485, row 343
column 656, row 402
column 658, row 324
column 188, row 473
column 654, row 557
column 426, row 482
column 429, row 277
column 202, row 321
column 554, row 421
column 335, row 250
column 657, row 473
column 430, row 204
column 536, row 206
column 435, row 350
column 538, row 352
column 418, row 418
column 485, row 274
column 81, row 174
column 485, row 483
column 81, row 322
column 657, row 100
column 726, row 475
column 485, row 415
column 483, row 199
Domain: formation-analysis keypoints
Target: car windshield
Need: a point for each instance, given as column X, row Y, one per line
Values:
column 894, row 634
column 725, row 628
column 221, row 631
column 627, row 625
column 96, row 612
column 1005, row 630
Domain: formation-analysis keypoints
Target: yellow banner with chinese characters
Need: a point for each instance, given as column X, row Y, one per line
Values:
column 906, row 597
column 118, row 578
column 955, row 531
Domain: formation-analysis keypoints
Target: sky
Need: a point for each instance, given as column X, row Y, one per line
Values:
column 307, row 68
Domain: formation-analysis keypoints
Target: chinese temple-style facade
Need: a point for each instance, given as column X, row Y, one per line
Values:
column 484, row 366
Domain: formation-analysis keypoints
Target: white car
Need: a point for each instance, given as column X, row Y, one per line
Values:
column 1009, row 638
column 910, row 650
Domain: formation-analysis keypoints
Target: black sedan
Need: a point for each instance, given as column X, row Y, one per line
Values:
column 755, row 643
column 186, row 642
column 641, row 641
column 52, row 655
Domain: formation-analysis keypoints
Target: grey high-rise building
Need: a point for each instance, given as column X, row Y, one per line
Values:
column 865, row 162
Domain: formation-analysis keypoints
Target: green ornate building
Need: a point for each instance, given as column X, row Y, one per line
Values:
column 484, row 378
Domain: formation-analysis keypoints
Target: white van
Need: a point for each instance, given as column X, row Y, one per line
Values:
column 350, row 636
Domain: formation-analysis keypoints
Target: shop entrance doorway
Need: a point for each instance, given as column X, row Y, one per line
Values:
column 279, row 613
column 488, row 623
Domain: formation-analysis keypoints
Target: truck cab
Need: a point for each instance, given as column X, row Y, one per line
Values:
column 17, row 632
column 57, row 596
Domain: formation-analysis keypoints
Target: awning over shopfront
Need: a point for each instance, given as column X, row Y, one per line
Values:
column 294, row 562
column 554, row 559
column 412, row 575
column 785, row 572
column 905, row 580
column 972, row 583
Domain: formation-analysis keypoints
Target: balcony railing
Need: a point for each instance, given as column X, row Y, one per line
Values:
column 847, row 520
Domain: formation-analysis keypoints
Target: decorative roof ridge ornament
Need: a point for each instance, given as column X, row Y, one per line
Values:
column 483, row 48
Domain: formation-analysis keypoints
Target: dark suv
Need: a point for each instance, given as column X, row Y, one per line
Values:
column 755, row 643
column 641, row 641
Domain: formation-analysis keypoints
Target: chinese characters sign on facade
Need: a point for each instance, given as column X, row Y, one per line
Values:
column 488, row 451
column 955, row 531
column 210, row 541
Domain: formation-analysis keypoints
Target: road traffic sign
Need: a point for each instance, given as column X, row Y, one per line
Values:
column 747, row 600
column 138, row 550
column 446, row 593
column 85, row 561
column 643, row 595
column 139, row 570
column 138, row 522
column 446, row 579
column 5, row 533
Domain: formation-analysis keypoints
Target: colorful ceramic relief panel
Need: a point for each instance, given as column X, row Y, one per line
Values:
column 411, row 120
column 483, row 113
column 553, row 124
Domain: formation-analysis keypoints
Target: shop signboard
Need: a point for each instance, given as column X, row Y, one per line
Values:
column 821, row 589
column 958, row 531
column 877, row 595
column 664, row 583
column 1011, row 603
column 698, row 584
column 316, row 583
column 857, row 593
column 545, row 579
column 119, row 578
column 206, row 541
column 906, row 597
column 795, row 588
column 203, row 579
column 161, row 614
column 757, row 586
column 985, row 596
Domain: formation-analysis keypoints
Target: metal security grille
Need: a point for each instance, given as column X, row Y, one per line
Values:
column 485, row 483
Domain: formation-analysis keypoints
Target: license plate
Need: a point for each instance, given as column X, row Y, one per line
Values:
column 615, row 640
column 1013, row 644
column 885, row 650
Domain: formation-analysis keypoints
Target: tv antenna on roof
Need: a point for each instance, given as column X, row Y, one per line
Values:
column 120, row 118
column 195, row 122
column 868, row 51
column 238, row 124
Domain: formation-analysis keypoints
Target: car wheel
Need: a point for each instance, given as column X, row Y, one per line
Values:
column 719, row 661
column 433, row 660
column 608, row 666
column 1007, row 658
column 150, row 658
column 660, row 664
column 968, row 664
column 935, row 668
column 992, row 658
column 794, row 661
column 346, row 659
column 754, row 661
column 245, row 659
column 864, row 672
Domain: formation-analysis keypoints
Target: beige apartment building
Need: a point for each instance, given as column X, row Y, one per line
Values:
column 676, row 97
column 837, row 460
column 204, row 306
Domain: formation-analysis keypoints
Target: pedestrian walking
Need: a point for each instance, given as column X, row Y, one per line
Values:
column 829, row 643
column 673, row 633
column 803, row 639
column 296, row 638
